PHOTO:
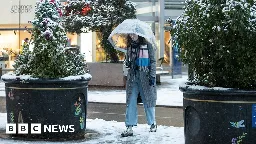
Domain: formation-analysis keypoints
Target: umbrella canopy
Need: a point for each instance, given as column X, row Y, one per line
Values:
column 118, row 36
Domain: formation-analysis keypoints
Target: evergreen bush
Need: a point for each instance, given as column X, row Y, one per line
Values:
column 98, row 16
column 50, row 59
column 77, row 16
column 217, row 41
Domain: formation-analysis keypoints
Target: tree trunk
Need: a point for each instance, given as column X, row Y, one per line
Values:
column 109, row 49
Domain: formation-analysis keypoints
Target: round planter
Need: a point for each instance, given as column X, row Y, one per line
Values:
column 218, row 116
column 59, row 106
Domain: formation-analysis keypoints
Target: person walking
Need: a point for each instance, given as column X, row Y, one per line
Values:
column 141, row 78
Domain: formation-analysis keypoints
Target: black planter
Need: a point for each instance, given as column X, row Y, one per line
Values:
column 48, row 102
column 217, row 116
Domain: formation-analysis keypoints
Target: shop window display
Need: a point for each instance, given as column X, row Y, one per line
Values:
column 10, row 46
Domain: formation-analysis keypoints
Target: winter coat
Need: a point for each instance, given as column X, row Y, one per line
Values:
column 148, row 91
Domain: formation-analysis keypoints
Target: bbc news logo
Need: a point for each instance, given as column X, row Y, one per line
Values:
column 36, row 128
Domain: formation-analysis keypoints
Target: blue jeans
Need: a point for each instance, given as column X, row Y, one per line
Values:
column 131, row 118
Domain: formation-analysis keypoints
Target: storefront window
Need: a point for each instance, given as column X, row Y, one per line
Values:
column 15, row 16
column 72, row 40
column 14, row 25
column 100, row 53
column 11, row 45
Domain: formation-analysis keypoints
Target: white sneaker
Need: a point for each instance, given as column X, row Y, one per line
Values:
column 127, row 132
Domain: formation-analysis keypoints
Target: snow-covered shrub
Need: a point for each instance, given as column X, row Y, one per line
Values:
column 77, row 16
column 217, row 41
column 22, row 62
column 98, row 16
column 49, row 58
column 107, row 14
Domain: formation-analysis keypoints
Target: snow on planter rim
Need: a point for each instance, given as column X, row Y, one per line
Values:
column 190, row 88
column 13, row 77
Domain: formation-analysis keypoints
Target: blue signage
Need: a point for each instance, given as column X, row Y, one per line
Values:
column 254, row 115
column 176, row 63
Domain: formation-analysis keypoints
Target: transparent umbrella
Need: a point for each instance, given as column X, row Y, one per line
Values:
column 118, row 36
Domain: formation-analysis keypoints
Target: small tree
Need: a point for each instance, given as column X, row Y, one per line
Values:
column 49, row 58
column 75, row 62
column 217, row 41
column 101, row 16
column 22, row 63
column 107, row 14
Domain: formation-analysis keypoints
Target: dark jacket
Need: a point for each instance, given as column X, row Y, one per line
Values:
column 149, row 92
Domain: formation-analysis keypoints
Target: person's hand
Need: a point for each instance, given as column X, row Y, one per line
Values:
column 152, row 81
column 127, row 64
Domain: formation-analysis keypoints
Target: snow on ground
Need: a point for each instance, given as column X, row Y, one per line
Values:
column 110, row 133
column 2, row 89
column 2, row 93
column 168, row 93
column 3, row 120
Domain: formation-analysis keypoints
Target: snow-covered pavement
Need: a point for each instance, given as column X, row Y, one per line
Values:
column 168, row 93
column 110, row 133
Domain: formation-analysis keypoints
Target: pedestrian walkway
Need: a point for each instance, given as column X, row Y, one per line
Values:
column 164, row 115
column 105, row 116
column 168, row 93
column 101, row 131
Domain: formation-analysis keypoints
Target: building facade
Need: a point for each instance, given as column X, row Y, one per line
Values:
column 155, row 12
column 16, row 14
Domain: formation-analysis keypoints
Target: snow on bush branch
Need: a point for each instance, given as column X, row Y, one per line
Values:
column 49, row 59
column 83, row 15
column 216, row 39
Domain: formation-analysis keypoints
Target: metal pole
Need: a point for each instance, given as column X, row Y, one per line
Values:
column 19, row 25
column 161, row 26
column 154, row 16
